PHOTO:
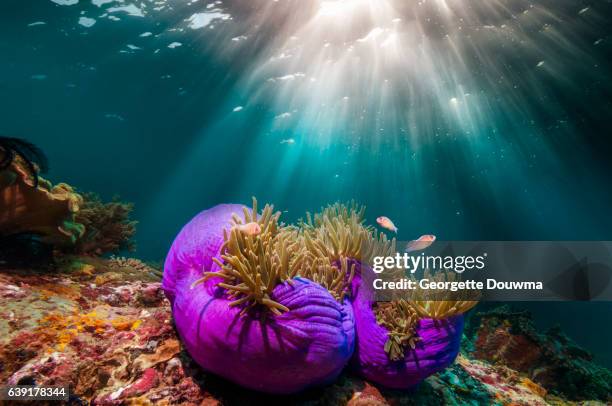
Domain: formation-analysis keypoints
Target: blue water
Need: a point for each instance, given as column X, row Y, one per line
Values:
column 464, row 120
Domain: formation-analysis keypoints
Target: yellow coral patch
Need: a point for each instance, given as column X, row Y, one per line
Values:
column 534, row 387
column 106, row 278
column 58, row 330
column 124, row 324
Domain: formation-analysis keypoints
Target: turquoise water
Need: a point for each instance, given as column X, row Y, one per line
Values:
column 467, row 120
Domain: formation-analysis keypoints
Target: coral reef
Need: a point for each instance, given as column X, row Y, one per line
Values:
column 29, row 204
column 108, row 228
column 283, row 312
column 111, row 339
column 551, row 360
column 35, row 213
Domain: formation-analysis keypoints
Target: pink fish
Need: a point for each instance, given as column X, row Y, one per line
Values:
column 252, row 228
column 386, row 222
column 420, row 243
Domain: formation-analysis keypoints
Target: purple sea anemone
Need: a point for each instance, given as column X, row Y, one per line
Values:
column 195, row 246
column 397, row 346
column 248, row 319
column 281, row 308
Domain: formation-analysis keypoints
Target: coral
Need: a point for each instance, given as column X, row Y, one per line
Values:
column 549, row 360
column 123, row 263
column 108, row 228
column 37, row 207
column 32, row 159
column 89, row 343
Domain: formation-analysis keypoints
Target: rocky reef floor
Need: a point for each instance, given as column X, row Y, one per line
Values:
column 105, row 328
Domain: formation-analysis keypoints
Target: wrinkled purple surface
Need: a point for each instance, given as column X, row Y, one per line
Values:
column 196, row 244
column 437, row 349
column 308, row 345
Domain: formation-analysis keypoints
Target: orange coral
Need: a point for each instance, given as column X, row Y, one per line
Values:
column 59, row 330
column 46, row 210
column 125, row 324
column 534, row 387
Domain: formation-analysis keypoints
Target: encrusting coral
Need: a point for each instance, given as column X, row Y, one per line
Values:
column 120, row 348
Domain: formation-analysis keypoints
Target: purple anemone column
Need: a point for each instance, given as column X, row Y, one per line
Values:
column 437, row 348
column 305, row 346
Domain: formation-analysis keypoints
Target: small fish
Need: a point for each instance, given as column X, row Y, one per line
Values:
column 420, row 243
column 386, row 222
column 251, row 228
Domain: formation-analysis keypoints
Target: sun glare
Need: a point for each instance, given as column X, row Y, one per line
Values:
column 417, row 66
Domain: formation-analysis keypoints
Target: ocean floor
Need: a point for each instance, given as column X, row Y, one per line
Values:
column 104, row 327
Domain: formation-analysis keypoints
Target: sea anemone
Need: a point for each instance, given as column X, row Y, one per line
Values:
column 402, row 342
column 277, row 310
column 442, row 304
column 253, row 265
column 400, row 319
column 244, row 313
